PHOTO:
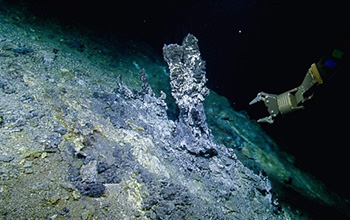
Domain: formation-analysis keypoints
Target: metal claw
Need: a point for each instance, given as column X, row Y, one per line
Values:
column 268, row 119
column 256, row 99
column 270, row 101
column 262, row 96
column 293, row 100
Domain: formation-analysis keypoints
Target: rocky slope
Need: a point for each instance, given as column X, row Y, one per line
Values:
column 90, row 131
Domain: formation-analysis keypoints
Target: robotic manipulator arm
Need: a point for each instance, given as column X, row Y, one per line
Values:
column 293, row 99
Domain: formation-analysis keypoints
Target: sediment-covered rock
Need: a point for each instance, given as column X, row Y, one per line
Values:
column 78, row 141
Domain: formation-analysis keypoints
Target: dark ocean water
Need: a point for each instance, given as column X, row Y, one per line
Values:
column 249, row 46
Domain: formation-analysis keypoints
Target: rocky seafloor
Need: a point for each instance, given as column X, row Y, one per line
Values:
column 89, row 129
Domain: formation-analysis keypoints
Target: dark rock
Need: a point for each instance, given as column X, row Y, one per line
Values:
column 7, row 88
column 22, row 50
column 2, row 84
column 208, row 153
column 64, row 212
column 92, row 189
column 151, row 201
column 102, row 167
column 109, row 174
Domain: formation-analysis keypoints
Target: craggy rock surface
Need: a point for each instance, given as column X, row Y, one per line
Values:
column 87, row 133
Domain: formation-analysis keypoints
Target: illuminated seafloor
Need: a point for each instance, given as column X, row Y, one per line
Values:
column 83, row 137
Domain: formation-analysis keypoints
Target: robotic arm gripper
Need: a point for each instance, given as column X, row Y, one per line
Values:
column 293, row 99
